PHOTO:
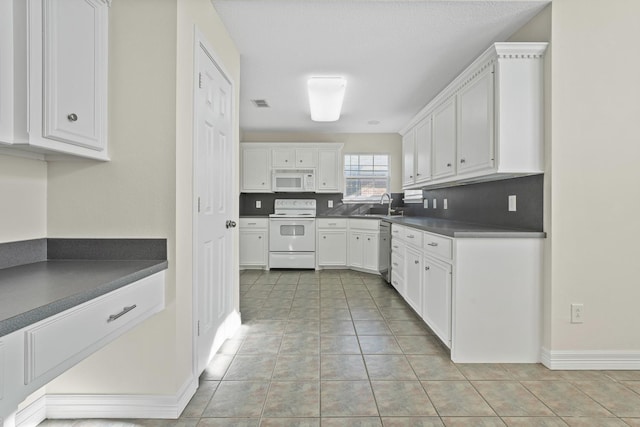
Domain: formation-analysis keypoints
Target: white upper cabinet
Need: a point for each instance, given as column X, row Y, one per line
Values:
column 329, row 170
column 423, row 150
column 408, row 158
column 55, row 60
column 488, row 123
column 284, row 157
column 256, row 171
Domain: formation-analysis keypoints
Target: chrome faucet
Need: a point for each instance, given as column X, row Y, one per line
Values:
column 390, row 200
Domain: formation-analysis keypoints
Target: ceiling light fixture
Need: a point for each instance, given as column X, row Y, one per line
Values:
column 325, row 97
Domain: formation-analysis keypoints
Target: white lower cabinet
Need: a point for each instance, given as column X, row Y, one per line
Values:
column 436, row 298
column 413, row 288
column 364, row 244
column 480, row 296
column 253, row 237
column 331, row 242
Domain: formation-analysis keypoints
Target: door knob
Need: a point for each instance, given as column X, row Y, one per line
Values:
column 230, row 224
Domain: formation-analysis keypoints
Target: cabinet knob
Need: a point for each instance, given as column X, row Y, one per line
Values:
column 324, row 183
column 300, row 161
column 426, row 268
column 462, row 160
column 72, row 117
column 448, row 165
column 368, row 238
column 259, row 237
column 417, row 174
column 357, row 238
column 416, row 262
column 263, row 183
column 410, row 176
column 324, row 237
column 286, row 161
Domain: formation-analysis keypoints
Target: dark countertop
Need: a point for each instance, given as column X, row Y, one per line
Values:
column 33, row 291
column 446, row 227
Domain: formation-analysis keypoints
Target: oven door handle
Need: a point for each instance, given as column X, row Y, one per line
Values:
column 293, row 219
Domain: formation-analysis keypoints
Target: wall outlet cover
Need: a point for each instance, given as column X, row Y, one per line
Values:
column 258, row 204
column 330, row 203
column 445, row 205
column 425, row 203
column 512, row 203
column 435, row 203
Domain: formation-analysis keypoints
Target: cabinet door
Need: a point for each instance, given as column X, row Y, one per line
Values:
column 356, row 246
column 253, row 247
column 306, row 157
column 408, row 158
column 255, row 170
column 413, row 279
column 332, row 248
column 444, row 139
column 371, row 247
column 283, row 158
column 329, row 168
column 423, row 150
column 75, row 69
column 475, row 120
column 437, row 298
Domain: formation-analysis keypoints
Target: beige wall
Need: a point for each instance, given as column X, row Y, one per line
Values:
column 23, row 199
column 595, row 196
column 146, row 189
column 389, row 143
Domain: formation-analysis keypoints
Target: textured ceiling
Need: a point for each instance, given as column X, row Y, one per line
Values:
column 396, row 55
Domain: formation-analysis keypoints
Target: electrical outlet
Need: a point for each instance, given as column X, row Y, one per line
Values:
column 330, row 204
column 445, row 205
column 258, row 204
column 577, row 313
column 512, row 203
column 435, row 203
column 425, row 203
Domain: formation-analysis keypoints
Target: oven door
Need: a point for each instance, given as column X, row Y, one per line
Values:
column 292, row 235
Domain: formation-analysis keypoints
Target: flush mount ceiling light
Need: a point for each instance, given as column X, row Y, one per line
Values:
column 325, row 97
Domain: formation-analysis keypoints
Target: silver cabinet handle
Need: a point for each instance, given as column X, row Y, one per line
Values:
column 72, row 117
column 426, row 268
column 122, row 313
column 411, row 236
column 333, row 223
column 432, row 244
column 416, row 262
column 448, row 165
column 395, row 263
column 251, row 223
column 395, row 247
column 230, row 224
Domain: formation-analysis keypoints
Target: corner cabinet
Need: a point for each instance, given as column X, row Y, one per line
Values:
column 55, row 64
column 488, row 123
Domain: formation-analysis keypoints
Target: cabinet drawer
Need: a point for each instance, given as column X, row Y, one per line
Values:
column 437, row 245
column 397, row 246
column 332, row 223
column 413, row 236
column 397, row 231
column 254, row 223
column 364, row 224
column 57, row 343
column 397, row 264
column 397, row 282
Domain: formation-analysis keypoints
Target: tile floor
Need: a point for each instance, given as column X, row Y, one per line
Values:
column 341, row 348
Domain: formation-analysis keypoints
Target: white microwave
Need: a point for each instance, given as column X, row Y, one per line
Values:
column 293, row 180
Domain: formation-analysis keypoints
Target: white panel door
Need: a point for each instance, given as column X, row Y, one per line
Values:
column 214, row 203
column 436, row 307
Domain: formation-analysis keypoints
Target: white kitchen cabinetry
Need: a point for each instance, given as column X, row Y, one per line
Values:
column 332, row 242
column 444, row 140
column 408, row 158
column 256, row 171
column 293, row 157
column 416, row 149
column 480, row 296
column 436, row 298
column 488, row 122
column 329, row 170
column 253, row 238
column 413, row 279
column 364, row 244
column 42, row 351
column 57, row 66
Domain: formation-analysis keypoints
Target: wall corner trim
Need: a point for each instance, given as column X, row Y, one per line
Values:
column 66, row 406
column 590, row 359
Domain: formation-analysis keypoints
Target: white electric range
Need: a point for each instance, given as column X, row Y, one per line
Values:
column 292, row 234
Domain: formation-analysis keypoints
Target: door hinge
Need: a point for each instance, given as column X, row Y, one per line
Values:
column 198, row 204
column 200, row 80
column 198, row 328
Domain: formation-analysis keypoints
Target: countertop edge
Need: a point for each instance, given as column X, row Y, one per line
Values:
column 35, row 315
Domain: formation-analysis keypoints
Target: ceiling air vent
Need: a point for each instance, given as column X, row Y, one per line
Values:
column 260, row 103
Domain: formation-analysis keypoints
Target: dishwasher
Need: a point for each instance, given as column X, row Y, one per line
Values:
column 384, row 253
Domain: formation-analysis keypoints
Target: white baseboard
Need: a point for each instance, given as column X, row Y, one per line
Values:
column 590, row 360
column 70, row 406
